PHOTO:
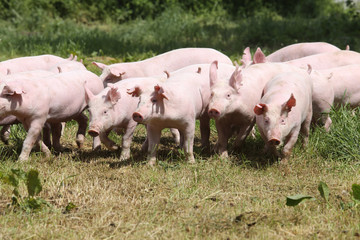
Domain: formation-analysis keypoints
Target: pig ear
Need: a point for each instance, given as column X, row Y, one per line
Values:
column 12, row 88
column 70, row 57
column 167, row 74
column 113, row 95
column 290, row 103
column 236, row 79
column 213, row 72
column 347, row 48
column 99, row 65
column 261, row 108
column 135, row 91
column 246, row 57
column 259, row 56
column 88, row 95
column 160, row 91
column 116, row 72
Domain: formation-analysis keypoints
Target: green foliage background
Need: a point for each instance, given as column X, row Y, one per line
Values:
column 127, row 27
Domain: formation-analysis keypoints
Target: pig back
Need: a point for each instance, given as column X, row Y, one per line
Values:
column 300, row 50
column 327, row 60
column 29, row 63
column 67, row 93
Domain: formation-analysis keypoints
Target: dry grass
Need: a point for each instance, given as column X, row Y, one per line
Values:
column 243, row 197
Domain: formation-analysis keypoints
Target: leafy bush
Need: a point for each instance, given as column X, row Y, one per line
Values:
column 14, row 178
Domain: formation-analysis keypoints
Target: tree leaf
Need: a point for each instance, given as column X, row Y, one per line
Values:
column 296, row 199
column 356, row 191
column 33, row 183
column 324, row 190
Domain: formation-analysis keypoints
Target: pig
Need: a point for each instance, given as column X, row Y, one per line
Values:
column 299, row 50
column 224, row 70
column 323, row 98
column 112, row 109
column 67, row 65
column 284, row 111
column 169, row 61
column 345, row 81
column 52, row 100
column 176, row 103
column 232, row 99
column 9, row 120
column 318, row 61
column 23, row 64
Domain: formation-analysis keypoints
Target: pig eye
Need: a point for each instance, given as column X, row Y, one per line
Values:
column 105, row 112
column 154, row 100
column 212, row 94
column 282, row 121
column 228, row 95
column 266, row 120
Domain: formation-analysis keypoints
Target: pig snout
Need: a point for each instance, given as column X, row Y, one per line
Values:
column 93, row 132
column 137, row 117
column 214, row 113
column 274, row 141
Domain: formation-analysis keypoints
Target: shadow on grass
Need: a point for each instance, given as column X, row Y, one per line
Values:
column 251, row 154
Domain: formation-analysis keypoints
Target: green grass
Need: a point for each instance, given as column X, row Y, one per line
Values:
column 242, row 197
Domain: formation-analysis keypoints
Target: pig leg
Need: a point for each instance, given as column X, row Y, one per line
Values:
column 288, row 146
column 80, row 135
column 145, row 145
column 327, row 122
column 96, row 144
column 205, row 131
column 224, row 133
column 56, row 134
column 63, row 124
column 244, row 131
column 324, row 119
column 305, row 127
column 176, row 135
column 126, row 141
column 111, row 145
column 46, row 133
column 5, row 134
column 153, row 135
column 34, row 129
column 189, row 142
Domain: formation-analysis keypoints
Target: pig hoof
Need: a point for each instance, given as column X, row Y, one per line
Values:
column 80, row 144
column 59, row 149
column 123, row 158
column 192, row 161
column 23, row 159
column 224, row 155
column 113, row 148
column 152, row 163
column 97, row 148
